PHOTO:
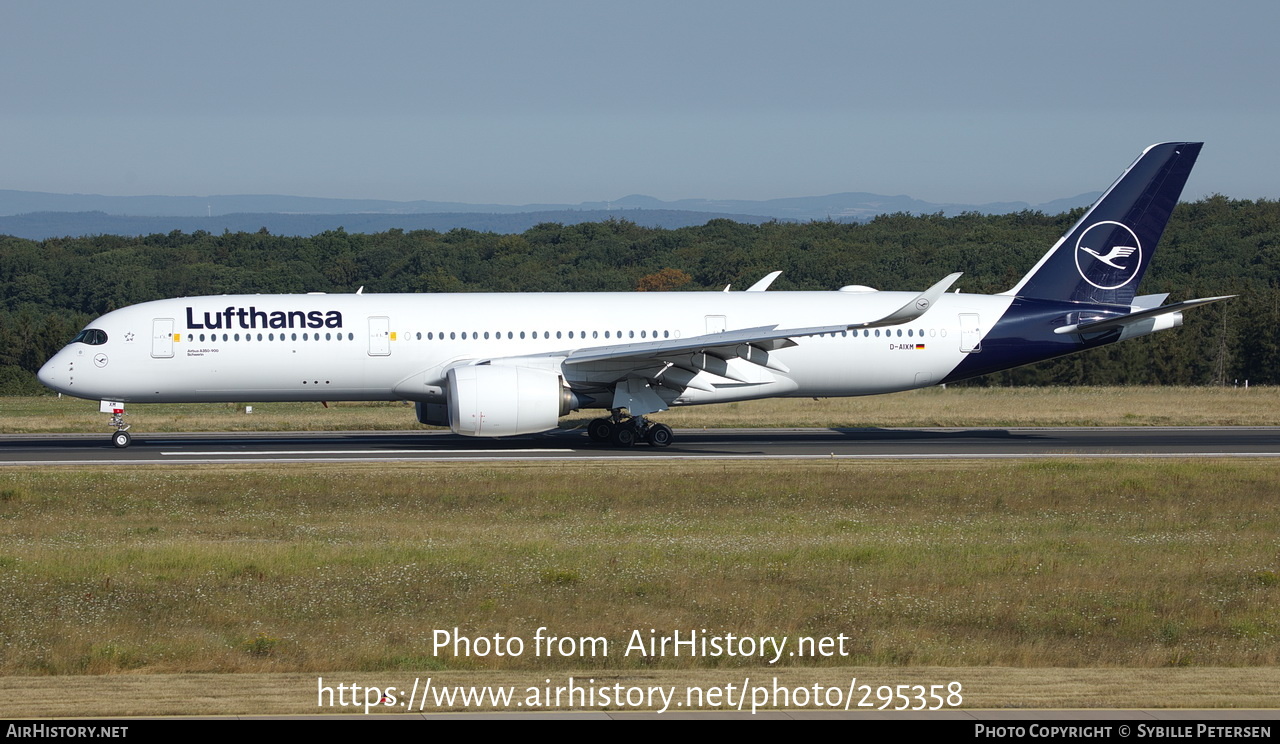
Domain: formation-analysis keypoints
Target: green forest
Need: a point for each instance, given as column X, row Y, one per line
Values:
column 1215, row 246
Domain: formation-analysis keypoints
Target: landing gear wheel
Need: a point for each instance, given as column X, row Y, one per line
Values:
column 600, row 430
column 659, row 435
column 625, row 436
column 121, row 439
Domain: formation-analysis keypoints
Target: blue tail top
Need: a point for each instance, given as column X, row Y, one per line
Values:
column 1104, row 255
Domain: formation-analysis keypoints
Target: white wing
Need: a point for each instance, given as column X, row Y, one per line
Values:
column 676, row 362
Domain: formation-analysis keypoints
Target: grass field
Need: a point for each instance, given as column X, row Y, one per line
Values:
column 297, row 694
column 1106, row 569
column 1067, row 406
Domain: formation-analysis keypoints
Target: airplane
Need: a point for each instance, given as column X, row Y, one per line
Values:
column 495, row 365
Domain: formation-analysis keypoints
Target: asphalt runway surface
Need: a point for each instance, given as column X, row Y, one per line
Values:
column 712, row 444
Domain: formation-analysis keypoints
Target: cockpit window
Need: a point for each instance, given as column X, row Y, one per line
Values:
column 91, row 336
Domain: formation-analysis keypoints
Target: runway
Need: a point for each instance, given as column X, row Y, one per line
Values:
column 713, row 444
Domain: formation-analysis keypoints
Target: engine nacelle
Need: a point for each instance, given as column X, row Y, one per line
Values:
column 497, row 401
column 1151, row 325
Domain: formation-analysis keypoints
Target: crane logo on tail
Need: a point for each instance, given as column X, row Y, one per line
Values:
column 1108, row 255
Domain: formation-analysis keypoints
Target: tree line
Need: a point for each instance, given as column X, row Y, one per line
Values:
column 1215, row 246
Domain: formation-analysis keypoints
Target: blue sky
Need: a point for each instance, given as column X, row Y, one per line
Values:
column 520, row 102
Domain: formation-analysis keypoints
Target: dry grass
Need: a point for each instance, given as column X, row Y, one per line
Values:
column 296, row 569
column 296, row 694
column 1073, row 406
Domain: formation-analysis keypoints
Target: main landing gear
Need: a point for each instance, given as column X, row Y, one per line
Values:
column 625, row 432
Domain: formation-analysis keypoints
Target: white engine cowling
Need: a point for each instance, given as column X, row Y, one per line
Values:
column 497, row 401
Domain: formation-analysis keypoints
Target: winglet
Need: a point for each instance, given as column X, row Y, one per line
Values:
column 764, row 283
column 918, row 306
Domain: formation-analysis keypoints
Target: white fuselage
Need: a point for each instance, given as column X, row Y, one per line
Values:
column 399, row 346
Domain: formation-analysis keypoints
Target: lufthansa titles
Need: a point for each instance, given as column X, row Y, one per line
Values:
column 252, row 317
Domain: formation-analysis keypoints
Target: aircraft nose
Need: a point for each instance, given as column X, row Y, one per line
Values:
column 49, row 374
column 45, row 375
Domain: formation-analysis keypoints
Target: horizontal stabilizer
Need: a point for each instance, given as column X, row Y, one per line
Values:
column 1120, row 321
column 1146, row 302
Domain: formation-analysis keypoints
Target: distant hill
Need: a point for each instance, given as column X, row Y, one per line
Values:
column 854, row 205
column 20, row 202
column 841, row 207
column 44, row 225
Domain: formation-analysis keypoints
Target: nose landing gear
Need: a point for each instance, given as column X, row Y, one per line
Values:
column 121, row 437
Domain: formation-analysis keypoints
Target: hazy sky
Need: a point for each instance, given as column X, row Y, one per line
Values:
column 519, row 102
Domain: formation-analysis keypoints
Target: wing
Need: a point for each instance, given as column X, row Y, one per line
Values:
column 630, row 372
column 767, row 338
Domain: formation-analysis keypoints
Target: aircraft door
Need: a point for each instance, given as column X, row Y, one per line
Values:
column 970, row 333
column 379, row 336
column 716, row 324
column 162, row 338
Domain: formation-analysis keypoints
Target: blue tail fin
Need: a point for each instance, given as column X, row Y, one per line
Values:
column 1104, row 255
